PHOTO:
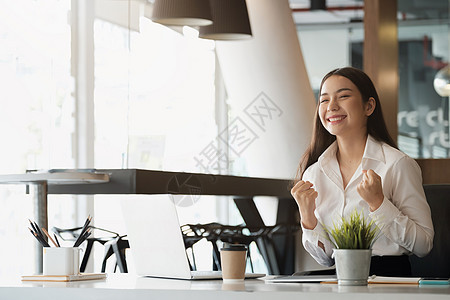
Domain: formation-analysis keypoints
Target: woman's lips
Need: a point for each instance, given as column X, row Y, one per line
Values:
column 335, row 119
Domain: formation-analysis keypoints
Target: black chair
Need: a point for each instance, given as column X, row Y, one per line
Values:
column 190, row 237
column 112, row 241
column 116, row 246
column 218, row 234
column 437, row 262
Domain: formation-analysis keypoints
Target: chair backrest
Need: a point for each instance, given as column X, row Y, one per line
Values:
column 437, row 262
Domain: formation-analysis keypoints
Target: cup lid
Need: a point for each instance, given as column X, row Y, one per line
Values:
column 234, row 247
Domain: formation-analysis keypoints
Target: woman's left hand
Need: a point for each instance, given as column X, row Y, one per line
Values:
column 370, row 189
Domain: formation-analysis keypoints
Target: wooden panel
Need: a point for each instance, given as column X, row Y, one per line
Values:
column 435, row 171
column 381, row 55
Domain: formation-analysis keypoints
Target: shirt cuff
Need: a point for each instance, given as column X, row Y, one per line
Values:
column 313, row 235
column 385, row 214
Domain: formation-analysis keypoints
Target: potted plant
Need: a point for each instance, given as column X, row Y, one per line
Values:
column 353, row 238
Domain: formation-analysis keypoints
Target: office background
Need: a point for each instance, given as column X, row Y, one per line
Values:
column 96, row 84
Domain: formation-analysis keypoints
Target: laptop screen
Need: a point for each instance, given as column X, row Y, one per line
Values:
column 155, row 237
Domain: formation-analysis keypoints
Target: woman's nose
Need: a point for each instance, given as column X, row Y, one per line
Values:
column 332, row 105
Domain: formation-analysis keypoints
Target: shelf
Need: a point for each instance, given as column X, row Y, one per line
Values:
column 56, row 178
column 138, row 181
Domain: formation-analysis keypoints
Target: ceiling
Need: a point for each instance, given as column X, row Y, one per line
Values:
column 348, row 11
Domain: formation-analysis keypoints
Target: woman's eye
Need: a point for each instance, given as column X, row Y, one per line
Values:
column 323, row 100
column 344, row 96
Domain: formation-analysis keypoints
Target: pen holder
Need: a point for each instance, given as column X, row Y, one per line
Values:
column 61, row 261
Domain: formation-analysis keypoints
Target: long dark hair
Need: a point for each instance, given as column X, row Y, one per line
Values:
column 321, row 139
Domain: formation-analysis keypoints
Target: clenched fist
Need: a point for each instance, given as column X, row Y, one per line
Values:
column 370, row 189
column 305, row 195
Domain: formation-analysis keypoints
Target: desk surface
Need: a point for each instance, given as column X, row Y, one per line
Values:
column 125, row 286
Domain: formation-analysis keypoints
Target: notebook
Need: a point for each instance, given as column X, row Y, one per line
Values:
column 157, row 242
column 65, row 278
column 333, row 279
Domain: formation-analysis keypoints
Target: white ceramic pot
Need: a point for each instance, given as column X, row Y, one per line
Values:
column 352, row 266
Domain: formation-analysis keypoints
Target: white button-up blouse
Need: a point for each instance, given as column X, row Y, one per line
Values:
column 404, row 217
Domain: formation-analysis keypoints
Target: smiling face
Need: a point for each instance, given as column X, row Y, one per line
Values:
column 341, row 108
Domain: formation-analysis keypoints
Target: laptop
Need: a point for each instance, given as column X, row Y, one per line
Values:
column 156, row 240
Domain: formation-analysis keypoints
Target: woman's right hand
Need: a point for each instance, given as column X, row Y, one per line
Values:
column 305, row 196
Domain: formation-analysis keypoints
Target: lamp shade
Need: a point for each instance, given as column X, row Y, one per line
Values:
column 318, row 5
column 441, row 82
column 230, row 21
column 182, row 12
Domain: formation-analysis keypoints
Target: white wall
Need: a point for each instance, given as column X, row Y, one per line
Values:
column 271, row 63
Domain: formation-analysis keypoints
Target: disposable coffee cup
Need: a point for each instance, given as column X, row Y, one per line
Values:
column 233, row 261
column 61, row 261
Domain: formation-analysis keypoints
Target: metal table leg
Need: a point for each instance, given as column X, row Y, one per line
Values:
column 40, row 215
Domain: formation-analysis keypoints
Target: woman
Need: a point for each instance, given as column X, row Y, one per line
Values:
column 353, row 163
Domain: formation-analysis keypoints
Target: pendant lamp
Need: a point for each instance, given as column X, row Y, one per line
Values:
column 182, row 12
column 230, row 21
column 441, row 82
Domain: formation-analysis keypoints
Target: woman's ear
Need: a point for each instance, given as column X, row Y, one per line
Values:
column 370, row 106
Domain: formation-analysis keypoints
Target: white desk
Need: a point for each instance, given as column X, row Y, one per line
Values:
column 126, row 286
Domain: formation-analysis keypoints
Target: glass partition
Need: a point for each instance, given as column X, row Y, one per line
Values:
column 423, row 33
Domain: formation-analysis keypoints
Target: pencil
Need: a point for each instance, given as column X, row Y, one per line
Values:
column 49, row 237
column 32, row 226
column 42, row 242
column 83, row 232
column 82, row 238
column 35, row 236
column 56, row 239
column 38, row 234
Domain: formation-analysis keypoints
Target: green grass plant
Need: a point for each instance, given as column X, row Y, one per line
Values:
column 353, row 232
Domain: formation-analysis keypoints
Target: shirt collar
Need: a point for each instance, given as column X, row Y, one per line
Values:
column 328, row 154
column 373, row 150
column 329, row 165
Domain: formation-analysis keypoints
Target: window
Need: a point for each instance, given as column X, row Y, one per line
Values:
column 154, row 109
column 36, row 117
